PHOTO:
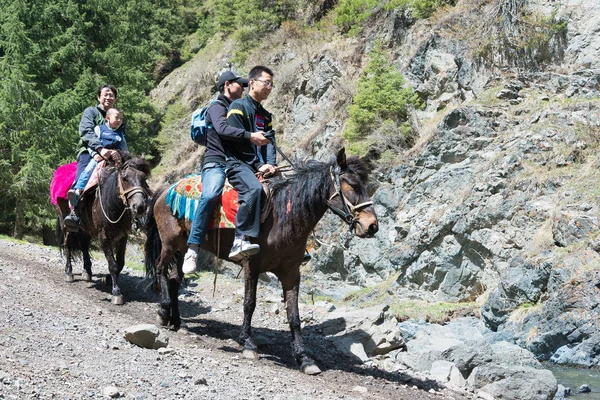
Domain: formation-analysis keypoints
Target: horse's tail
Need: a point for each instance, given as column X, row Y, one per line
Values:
column 60, row 235
column 153, row 245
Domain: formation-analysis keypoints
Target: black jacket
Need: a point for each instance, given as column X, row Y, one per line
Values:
column 217, row 116
column 248, row 114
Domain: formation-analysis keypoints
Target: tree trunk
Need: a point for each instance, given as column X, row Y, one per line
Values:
column 19, row 220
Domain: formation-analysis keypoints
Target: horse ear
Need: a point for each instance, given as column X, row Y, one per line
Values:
column 341, row 158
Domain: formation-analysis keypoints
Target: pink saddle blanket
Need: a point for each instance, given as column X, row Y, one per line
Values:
column 63, row 179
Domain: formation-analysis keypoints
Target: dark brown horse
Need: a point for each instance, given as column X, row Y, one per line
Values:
column 107, row 213
column 298, row 203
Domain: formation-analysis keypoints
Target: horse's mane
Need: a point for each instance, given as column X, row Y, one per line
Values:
column 295, row 197
column 138, row 163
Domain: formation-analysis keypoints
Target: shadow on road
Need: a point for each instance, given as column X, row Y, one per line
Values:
column 275, row 345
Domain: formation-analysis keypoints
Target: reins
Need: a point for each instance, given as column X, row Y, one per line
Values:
column 349, row 211
column 124, row 195
column 348, row 214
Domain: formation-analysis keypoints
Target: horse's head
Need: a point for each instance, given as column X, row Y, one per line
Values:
column 349, row 198
column 133, row 185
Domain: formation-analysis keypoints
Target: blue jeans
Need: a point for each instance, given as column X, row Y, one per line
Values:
column 85, row 175
column 213, row 179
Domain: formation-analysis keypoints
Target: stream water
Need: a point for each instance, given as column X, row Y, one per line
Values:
column 575, row 377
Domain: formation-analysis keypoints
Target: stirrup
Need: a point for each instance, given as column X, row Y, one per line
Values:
column 71, row 222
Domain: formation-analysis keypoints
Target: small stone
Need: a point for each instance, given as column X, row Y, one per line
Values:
column 360, row 389
column 201, row 381
column 111, row 391
column 584, row 389
column 484, row 395
column 165, row 350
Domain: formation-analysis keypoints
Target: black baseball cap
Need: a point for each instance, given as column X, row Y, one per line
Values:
column 228, row 76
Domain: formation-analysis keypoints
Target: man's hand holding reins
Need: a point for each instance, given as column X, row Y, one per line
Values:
column 267, row 170
column 259, row 139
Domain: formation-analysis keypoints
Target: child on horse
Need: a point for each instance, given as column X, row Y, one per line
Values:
column 110, row 138
column 90, row 145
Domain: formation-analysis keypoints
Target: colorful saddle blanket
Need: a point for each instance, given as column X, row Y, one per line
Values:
column 182, row 198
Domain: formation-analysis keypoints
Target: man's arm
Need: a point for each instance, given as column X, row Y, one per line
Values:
column 237, row 118
column 86, row 129
column 217, row 115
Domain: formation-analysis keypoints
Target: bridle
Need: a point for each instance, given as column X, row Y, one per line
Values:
column 349, row 211
column 124, row 195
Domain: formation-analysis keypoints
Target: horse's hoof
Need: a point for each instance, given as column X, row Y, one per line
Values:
column 118, row 300
column 250, row 354
column 86, row 277
column 311, row 370
column 162, row 321
column 69, row 278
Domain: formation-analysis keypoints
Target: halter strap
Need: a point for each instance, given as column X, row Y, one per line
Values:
column 124, row 195
column 350, row 210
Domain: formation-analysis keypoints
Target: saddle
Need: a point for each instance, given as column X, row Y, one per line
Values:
column 63, row 179
column 182, row 197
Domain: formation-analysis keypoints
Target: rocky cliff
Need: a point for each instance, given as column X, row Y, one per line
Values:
column 495, row 206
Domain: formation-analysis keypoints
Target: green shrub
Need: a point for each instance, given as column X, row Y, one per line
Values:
column 249, row 20
column 378, row 114
column 419, row 8
column 350, row 15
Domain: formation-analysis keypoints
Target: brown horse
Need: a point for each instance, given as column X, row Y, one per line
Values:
column 298, row 203
column 107, row 213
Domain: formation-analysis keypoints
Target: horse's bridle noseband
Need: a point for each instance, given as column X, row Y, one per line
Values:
column 349, row 211
column 124, row 195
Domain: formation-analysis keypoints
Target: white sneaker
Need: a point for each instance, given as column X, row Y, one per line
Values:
column 242, row 248
column 189, row 260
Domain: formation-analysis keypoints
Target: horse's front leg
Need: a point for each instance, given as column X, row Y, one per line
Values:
column 251, row 272
column 113, row 268
column 87, row 260
column 291, row 287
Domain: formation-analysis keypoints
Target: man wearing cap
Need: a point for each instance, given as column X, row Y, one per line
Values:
column 246, row 158
column 231, row 87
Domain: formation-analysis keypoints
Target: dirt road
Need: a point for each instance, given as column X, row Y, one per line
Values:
column 65, row 341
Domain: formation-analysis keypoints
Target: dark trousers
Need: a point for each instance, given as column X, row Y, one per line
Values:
column 82, row 161
column 242, row 178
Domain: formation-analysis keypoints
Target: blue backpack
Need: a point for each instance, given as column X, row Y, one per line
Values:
column 200, row 127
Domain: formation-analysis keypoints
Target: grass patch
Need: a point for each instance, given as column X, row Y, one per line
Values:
column 440, row 312
column 402, row 309
column 520, row 313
